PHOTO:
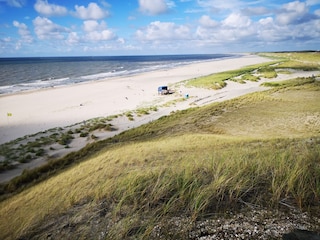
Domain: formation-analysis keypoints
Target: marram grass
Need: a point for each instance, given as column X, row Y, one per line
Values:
column 193, row 175
column 259, row 150
column 283, row 61
column 217, row 80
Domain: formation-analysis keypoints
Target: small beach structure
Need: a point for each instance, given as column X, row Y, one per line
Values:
column 164, row 90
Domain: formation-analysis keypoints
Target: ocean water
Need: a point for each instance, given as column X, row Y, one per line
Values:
column 23, row 74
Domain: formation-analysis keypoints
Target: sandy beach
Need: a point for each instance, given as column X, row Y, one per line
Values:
column 70, row 107
column 36, row 111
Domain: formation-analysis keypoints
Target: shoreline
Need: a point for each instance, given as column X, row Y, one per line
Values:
column 39, row 110
column 86, row 101
column 95, row 77
column 128, row 95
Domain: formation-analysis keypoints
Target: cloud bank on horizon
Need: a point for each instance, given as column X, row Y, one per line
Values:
column 113, row 27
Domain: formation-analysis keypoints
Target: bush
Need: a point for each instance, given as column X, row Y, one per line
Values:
column 94, row 137
column 84, row 134
column 40, row 152
column 25, row 159
column 267, row 72
column 97, row 126
column 250, row 77
column 65, row 139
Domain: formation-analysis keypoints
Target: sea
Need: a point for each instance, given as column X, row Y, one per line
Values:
column 30, row 73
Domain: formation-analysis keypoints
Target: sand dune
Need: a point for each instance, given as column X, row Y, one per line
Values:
column 37, row 111
column 43, row 109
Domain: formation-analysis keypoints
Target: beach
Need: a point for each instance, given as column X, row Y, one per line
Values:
column 31, row 112
column 30, row 116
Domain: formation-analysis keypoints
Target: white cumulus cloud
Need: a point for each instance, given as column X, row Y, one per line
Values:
column 292, row 12
column 93, row 25
column 46, row 29
column 153, row 7
column 47, row 9
column 233, row 29
column 207, row 22
column 23, row 31
column 163, row 31
column 93, row 11
column 256, row 11
column 96, row 31
column 236, row 20
column 73, row 38
column 103, row 35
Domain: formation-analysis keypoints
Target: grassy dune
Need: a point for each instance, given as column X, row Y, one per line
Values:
column 217, row 81
column 262, row 149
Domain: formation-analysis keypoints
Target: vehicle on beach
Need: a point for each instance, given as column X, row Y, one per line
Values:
column 164, row 90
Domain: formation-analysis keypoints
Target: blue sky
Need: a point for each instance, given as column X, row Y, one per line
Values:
column 137, row 27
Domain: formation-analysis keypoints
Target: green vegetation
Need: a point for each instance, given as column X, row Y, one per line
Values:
column 140, row 112
column 297, row 60
column 84, row 134
column 173, row 102
column 297, row 82
column 267, row 72
column 129, row 115
column 250, row 77
column 29, row 148
column 65, row 139
column 217, row 81
column 110, row 118
column 283, row 61
column 260, row 150
column 307, row 57
column 145, row 111
column 14, row 152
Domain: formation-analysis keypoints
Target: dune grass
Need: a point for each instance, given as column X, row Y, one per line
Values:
column 30, row 147
column 294, row 60
column 306, row 61
column 259, row 150
column 195, row 163
column 168, row 177
column 311, row 57
column 217, row 80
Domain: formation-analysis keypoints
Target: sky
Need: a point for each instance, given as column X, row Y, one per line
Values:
column 149, row 27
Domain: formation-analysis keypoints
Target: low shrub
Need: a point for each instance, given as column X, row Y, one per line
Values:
column 65, row 139
column 84, row 134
